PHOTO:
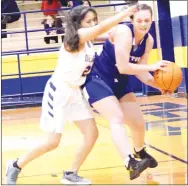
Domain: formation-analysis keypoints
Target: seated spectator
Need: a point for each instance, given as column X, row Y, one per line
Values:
column 86, row 3
column 53, row 26
column 50, row 5
column 8, row 6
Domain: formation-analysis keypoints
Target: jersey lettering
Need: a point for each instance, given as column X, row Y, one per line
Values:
column 134, row 59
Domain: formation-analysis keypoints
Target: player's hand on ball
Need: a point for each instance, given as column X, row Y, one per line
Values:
column 160, row 65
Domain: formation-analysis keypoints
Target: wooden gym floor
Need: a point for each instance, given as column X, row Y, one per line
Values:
column 166, row 139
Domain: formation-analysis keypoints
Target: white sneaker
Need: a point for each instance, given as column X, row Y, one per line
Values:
column 11, row 173
column 73, row 178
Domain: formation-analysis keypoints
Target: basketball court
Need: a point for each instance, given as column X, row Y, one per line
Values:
column 27, row 64
column 166, row 140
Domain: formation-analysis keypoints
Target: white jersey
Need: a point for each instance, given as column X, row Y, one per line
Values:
column 71, row 66
column 63, row 100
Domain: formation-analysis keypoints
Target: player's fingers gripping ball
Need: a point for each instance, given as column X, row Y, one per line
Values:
column 170, row 78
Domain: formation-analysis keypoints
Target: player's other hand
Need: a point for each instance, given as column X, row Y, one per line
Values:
column 167, row 92
column 160, row 65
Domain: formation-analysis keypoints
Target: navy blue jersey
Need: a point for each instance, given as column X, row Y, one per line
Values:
column 104, row 64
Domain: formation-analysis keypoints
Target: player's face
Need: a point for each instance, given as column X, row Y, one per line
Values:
column 89, row 20
column 142, row 21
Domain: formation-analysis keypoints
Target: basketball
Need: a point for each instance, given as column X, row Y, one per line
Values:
column 169, row 79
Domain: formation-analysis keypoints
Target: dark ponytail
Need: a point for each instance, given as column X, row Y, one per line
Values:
column 73, row 23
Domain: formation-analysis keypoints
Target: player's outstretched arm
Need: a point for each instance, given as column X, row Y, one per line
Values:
column 87, row 34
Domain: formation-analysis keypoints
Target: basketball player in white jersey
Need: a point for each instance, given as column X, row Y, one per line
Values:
column 62, row 100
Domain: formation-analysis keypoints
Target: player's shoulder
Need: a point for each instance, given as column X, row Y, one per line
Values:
column 122, row 29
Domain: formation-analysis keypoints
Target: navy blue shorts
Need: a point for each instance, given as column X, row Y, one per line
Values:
column 96, row 89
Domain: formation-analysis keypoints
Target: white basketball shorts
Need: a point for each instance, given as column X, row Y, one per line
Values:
column 62, row 104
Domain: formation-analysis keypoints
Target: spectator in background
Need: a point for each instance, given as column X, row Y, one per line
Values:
column 53, row 26
column 74, row 3
column 8, row 6
column 86, row 3
column 50, row 5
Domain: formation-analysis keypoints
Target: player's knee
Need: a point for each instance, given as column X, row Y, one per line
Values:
column 53, row 144
column 117, row 118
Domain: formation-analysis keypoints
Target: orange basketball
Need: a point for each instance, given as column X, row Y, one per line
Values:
column 169, row 79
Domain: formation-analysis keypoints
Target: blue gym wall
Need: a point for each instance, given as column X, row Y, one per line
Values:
column 36, row 83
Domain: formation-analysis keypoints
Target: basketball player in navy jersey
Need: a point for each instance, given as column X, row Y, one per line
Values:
column 109, row 90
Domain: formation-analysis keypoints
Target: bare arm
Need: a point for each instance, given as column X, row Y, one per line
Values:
column 87, row 34
column 102, row 37
column 123, row 45
column 146, row 77
column 105, row 36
